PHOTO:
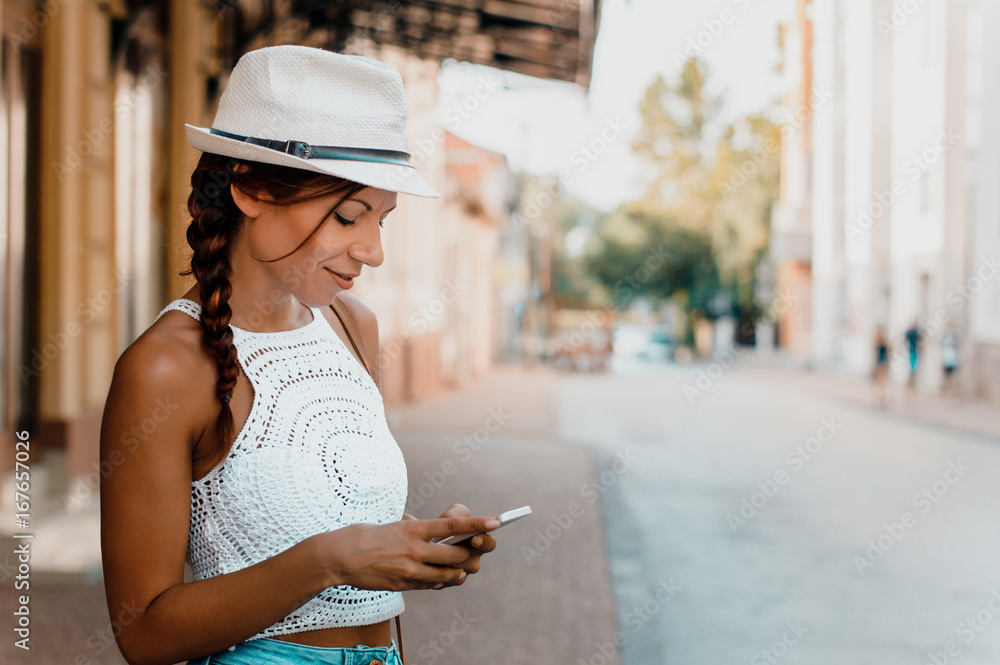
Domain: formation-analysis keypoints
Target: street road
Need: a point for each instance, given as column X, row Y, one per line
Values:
column 762, row 522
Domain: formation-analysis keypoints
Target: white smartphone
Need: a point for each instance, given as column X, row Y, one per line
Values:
column 503, row 518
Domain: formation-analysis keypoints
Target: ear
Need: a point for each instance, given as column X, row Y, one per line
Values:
column 250, row 206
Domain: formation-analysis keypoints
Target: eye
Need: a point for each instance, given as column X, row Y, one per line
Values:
column 342, row 220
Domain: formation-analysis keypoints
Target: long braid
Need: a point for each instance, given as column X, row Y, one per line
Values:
column 215, row 222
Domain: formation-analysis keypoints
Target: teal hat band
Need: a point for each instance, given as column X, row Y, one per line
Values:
column 303, row 150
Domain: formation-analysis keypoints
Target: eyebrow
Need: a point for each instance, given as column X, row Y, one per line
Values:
column 365, row 204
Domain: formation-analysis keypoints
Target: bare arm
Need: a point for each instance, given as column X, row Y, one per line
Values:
column 145, row 519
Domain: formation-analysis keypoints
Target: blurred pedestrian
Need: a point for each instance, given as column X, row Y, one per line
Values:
column 949, row 359
column 914, row 340
column 880, row 373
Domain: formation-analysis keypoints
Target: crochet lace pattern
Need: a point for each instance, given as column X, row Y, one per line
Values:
column 315, row 454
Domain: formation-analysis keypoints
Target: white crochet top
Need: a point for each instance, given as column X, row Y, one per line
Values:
column 315, row 454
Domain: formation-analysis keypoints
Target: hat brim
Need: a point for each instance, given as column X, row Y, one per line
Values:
column 391, row 177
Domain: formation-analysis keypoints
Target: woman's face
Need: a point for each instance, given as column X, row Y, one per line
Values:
column 348, row 239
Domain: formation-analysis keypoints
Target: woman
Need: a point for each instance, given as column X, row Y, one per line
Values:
column 880, row 373
column 949, row 359
column 272, row 470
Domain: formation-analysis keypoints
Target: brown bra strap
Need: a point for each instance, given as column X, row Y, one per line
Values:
column 399, row 638
column 350, row 324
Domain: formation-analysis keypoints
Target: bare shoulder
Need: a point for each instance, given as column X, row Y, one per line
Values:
column 170, row 348
column 167, row 363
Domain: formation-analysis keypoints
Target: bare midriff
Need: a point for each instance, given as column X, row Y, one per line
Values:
column 374, row 635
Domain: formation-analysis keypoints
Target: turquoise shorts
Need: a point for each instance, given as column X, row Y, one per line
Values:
column 268, row 651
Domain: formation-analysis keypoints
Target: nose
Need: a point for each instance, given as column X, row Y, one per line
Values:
column 367, row 247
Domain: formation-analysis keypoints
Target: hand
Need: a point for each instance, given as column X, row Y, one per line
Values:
column 400, row 555
column 476, row 547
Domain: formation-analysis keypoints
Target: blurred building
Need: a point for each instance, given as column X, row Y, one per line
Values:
column 535, row 223
column 900, row 194
column 468, row 291
column 95, row 174
column 791, row 222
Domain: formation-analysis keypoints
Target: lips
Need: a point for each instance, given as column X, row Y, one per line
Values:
column 345, row 280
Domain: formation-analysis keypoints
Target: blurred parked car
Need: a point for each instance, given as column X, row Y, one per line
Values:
column 659, row 347
column 629, row 340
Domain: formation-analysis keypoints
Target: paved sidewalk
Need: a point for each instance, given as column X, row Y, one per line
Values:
column 973, row 416
column 552, row 601
column 493, row 446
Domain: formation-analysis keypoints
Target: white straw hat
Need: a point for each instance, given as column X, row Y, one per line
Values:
column 317, row 110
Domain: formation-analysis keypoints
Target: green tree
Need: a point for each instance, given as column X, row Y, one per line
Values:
column 710, row 177
column 636, row 256
column 746, row 187
column 707, row 205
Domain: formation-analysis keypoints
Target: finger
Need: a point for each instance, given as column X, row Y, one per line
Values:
column 458, row 581
column 456, row 510
column 484, row 543
column 434, row 575
column 471, row 565
column 455, row 526
column 444, row 555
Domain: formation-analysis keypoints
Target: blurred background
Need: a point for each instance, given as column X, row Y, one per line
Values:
column 712, row 286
